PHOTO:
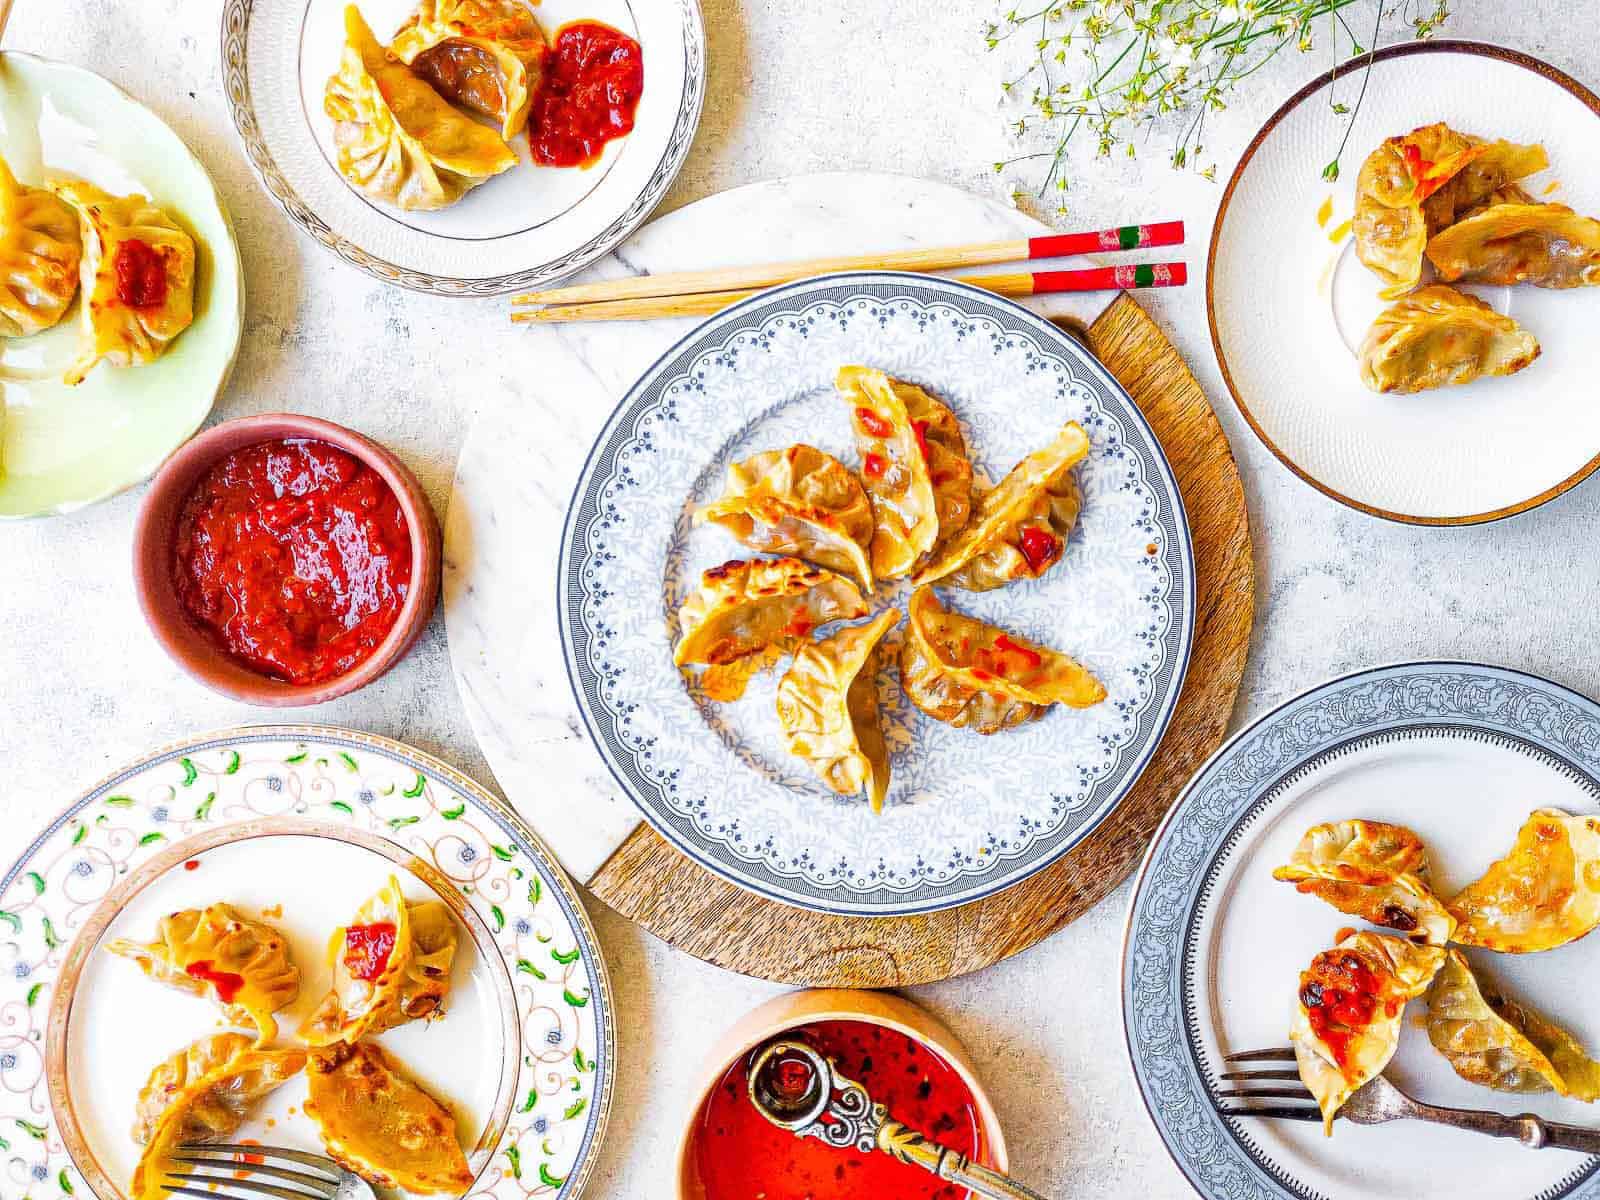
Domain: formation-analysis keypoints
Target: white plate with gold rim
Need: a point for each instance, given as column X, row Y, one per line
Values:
column 65, row 447
column 527, row 227
column 1289, row 302
column 297, row 825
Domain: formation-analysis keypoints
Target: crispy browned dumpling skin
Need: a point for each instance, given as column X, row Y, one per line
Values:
column 1391, row 228
column 1437, row 337
column 487, row 55
column 1547, row 245
column 41, row 250
column 1372, row 870
column 1543, row 894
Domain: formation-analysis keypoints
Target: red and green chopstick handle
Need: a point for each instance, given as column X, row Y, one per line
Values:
column 1102, row 241
column 1086, row 279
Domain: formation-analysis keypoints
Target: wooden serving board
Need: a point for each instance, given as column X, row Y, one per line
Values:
column 684, row 904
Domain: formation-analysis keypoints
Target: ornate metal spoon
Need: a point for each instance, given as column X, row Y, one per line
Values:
column 798, row 1089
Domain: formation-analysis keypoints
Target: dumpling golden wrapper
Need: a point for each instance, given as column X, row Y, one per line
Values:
column 800, row 502
column 380, row 1124
column 1547, row 245
column 1500, row 1044
column 1437, row 337
column 215, row 952
column 177, row 1072
column 1371, row 870
column 398, row 140
column 1391, row 228
column 1348, row 1015
column 747, row 614
column 1020, row 528
column 913, row 463
column 221, row 1083
column 485, row 54
column 828, row 708
column 41, row 251
column 966, row 673
column 137, row 276
column 391, row 965
column 1544, row 894
column 1493, row 169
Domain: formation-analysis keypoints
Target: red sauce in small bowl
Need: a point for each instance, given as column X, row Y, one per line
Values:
column 593, row 78
column 295, row 557
column 740, row 1155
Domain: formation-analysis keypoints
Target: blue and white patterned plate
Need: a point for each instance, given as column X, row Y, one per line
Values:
column 299, row 823
column 966, row 815
column 1460, row 753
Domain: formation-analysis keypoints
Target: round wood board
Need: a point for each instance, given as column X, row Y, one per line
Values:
column 682, row 903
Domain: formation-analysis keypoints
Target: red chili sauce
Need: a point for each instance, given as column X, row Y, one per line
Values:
column 740, row 1155
column 593, row 78
column 1341, row 994
column 228, row 984
column 367, row 949
column 141, row 274
column 296, row 557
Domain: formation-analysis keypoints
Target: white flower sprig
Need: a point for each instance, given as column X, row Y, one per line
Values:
column 1102, row 70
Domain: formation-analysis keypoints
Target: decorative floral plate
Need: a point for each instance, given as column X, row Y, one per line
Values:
column 1458, row 752
column 967, row 815
column 298, row 824
column 529, row 227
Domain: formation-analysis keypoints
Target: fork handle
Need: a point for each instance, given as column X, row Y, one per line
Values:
column 1533, row 1132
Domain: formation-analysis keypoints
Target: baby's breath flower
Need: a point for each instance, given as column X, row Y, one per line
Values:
column 1099, row 70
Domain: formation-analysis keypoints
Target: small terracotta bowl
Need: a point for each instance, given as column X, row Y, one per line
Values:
column 783, row 1013
column 153, row 552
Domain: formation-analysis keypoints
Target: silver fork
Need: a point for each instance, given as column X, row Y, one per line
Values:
column 1379, row 1101
column 317, row 1178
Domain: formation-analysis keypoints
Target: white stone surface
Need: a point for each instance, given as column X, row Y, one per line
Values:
column 891, row 85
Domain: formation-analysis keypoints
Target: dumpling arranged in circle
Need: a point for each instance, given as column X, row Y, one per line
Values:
column 1438, row 336
column 1372, row 870
column 1546, row 245
column 1543, row 894
column 828, row 708
column 41, row 250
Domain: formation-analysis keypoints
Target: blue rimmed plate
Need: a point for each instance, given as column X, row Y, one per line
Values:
column 1458, row 752
column 966, row 815
column 298, row 824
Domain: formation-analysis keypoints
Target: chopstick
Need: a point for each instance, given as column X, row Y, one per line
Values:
column 980, row 254
column 5, row 15
column 1025, row 283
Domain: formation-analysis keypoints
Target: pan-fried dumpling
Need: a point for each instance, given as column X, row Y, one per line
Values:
column 1020, row 528
column 221, row 1083
column 214, row 951
column 969, row 674
column 828, row 707
column 40, row 254
column 391, row 965
column 381, row 1125
column 138, row 279
column 1494, row 169
column 1391, row 229
column 914, row 463
column 487, row 55
column 1347, row 1019
column 1547, row 245
column 398, row 140
column 1438, row 336
column 1544, row 894
column 1500, row 1044
column 799, row 502
column 173, row 1074
column 1374, row 871
column 747, row 614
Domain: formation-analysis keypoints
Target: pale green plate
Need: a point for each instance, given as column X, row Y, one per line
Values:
column 63, row 448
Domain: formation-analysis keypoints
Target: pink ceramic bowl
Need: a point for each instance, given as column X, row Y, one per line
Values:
column 793, row 1009
column 190, row 647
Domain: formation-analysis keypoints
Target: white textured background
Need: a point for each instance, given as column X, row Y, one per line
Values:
column 897, row 85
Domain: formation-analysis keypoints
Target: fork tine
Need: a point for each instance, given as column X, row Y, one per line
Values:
column 319, row 1184
column 1273, row 1054
column 1260, row 1075
column 1282, row 1113
column 304, row 1158
column 243, row 1185
column 1269, row 1093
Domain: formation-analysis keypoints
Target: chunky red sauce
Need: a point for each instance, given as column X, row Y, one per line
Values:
column 875, row 466
column 741, row 1156
column 296, row 557
column 367, row 949
column 1342, row 994
column 1040, row 547
column 874, row 425
column 141, row 274
column 593, row 78
column 228, row 984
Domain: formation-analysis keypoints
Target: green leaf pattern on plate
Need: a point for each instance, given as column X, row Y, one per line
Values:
column 361, row 785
